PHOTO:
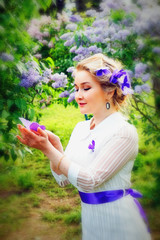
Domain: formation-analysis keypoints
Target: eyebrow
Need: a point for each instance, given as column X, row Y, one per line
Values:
column 82, row 83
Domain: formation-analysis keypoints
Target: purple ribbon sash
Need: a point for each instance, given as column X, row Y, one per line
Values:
column 113, row 195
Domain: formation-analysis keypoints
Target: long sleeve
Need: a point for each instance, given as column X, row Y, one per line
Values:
column 114, row 154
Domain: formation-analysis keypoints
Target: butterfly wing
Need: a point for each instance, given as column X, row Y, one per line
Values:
column 25, row 122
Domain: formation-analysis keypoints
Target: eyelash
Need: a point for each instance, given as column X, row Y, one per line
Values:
column 85, row 89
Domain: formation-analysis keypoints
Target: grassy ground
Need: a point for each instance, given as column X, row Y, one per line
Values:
column 33, row 206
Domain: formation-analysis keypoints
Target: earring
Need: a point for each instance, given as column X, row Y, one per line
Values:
column 108, row 105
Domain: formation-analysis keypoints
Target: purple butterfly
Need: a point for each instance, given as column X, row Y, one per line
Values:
column 31, row 125
column 92, row 146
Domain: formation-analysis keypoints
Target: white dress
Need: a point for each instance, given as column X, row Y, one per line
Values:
column 108, row 167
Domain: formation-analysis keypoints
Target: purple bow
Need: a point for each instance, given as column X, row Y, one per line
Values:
column 31, row 125
column 102, row 71
column 92, row 146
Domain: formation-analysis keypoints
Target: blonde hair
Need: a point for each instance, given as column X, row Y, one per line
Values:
column 98, row 61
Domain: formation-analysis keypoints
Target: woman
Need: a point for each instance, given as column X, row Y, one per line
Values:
column 100, row 155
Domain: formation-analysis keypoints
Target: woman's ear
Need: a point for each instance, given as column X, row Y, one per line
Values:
column 109, row 95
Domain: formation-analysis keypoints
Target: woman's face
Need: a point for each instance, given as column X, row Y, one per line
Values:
column 89, row 95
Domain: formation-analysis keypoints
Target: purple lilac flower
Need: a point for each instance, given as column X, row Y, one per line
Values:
column 60, row 80
column 91, row 13
column 75, row 18
column 156, row 50
column 45, row 34
column 64, row 94
column 71, row 26
column 71, row 97
column 70, row 42
column 6, row 57
column 100, row 23
column 66, row 36
column 30, row 78
column 140, row 68
column 121, row 35
column 72, row 50
column 78, row 58
column 145, row 77
column 146, row 88
column 130, row 74
column 70, row 69
column 138, row 89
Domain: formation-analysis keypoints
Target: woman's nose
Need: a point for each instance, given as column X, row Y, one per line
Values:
column 79, row 94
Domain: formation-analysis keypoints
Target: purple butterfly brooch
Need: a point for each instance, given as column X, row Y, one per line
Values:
column 33, row 126
column 92, row 146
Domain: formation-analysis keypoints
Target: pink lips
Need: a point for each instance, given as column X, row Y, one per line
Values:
column 82, row 104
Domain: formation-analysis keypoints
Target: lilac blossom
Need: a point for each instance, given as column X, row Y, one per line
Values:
column 156, row 50
column 121, row 35
column 64, row 94
column 100, row 23
column 6, row 57
column 50, row 44
column 145, row 77
column 66, row 36
column 78, row 58
column 91, row 13
column 140, row 68
column 44, row 42
column 60, row 80
column 30, row 78
column 137, row 89
column 71, row 97
column 73, row 49
column 38, row 55
column 146, row 88
column 70, row 42
column 75, row 18
column 71, row 26
column 70, row 69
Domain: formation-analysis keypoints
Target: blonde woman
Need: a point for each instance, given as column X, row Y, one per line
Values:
column 100, row 154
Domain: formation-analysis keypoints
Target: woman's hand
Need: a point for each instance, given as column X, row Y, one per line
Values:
column 38, row 140
column 55, row 141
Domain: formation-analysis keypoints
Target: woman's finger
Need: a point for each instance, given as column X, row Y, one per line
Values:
column 42, row 132
column 21, row 139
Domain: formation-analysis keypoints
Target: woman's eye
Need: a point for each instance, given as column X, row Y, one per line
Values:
column 76, row 90
column 86, row 89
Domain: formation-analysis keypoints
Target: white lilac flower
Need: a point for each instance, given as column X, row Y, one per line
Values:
column 70, row 69
column 73, row 49
column 156, row 50
column 146, row 88
column 6, row 57
column 137, row 89
column 75, row 18
column 66, row 36
column 140, row 68
column 50, row 44
column 145, row 77
column 71, row 26
column 38, row 55
column 71, row 97
column 64, row 94
column 91, row 13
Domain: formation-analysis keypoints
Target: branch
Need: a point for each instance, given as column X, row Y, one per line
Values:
column 144, row 115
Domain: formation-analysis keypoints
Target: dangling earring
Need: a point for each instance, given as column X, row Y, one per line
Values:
column 108, row 105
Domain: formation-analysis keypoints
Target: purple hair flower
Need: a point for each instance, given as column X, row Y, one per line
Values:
column 102, row 71
column 31, row 125
column 92, row 146
column 121, row 77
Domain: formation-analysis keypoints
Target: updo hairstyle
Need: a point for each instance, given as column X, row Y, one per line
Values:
column 98, row 61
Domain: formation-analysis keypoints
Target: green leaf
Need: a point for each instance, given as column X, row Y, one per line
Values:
column 21, row 103
column 5, row 114
column 50, row 61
